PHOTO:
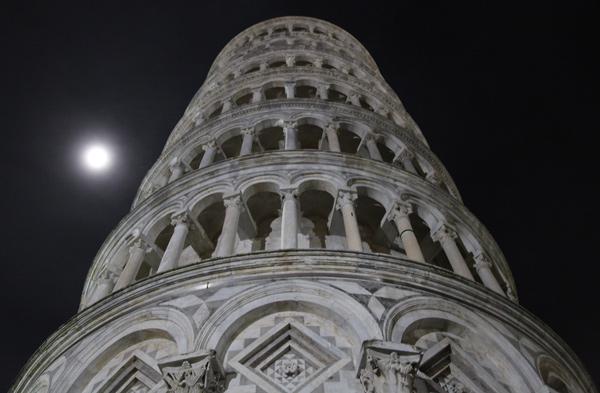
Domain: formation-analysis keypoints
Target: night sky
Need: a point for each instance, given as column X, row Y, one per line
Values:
column 506, row 94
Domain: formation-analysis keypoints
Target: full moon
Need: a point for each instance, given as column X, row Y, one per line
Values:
column 96, row 157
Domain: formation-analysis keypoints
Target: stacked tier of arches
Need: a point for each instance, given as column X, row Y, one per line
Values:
column 299, row 85
column 315, row 209
column 299, row 132
column 308, row 30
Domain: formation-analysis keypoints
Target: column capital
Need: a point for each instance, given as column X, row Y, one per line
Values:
column 433, row 178
column 263, row 66
column 247, row 131
column 180, row 218
column 232, row 200
column 372, row 137
column 288, row 193
column 290, row 60
column 107, row 275
column 404, row 155
column 443, row 234
column 388, row 367
column 289, row 124
column 332, row 126
column 210, row 144
column 354, row 99
column 198, row 372
column 136, row 241
column 400, row 210
column 345, row 197
column 482, row 262
column 318, row 62
column 175, row 163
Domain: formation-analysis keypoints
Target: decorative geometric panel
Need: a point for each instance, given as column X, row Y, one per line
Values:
column 289, row 358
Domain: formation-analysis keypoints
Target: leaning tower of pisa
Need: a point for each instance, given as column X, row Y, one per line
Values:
column 298, row 235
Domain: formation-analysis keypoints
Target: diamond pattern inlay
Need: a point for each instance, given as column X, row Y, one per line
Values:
column 289, row 358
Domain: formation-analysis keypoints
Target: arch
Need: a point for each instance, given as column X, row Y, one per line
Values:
column 418, row 316
column 553, row 374
column 138, row 326
column 252, row 304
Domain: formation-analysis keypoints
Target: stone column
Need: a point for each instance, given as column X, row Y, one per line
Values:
column 263, row 66
column 433, row 178
column 323, row 91
column 170, row 258
column 399, row 215
column 345, row 202
column 290, row 60
column 290, row 131
column 289, row 219
column 247, row 141
column 484, row 269
column 104, row 287
column 446, row 237
column 177, row 170
column 318, row 63
column 405, row 158
column 257, row 95
column 227, row 105
column 354, row 99
column 233, row 209
column 137, row 252
column 289, row 89
column 210, row 150
column 332, row 138
column 371, row 142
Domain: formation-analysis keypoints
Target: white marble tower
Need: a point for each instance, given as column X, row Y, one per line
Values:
column 297, row 235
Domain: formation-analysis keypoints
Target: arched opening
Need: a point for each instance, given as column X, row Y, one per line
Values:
column 211, row 217
column 349, row 141
column 253, row 69
column 244, row 100
column 309, row 136
column 336, row 96
column 387, row 155
column 216, row 112
column 303, row 63
column 272, row 138
column 364, row 104
column 265, row 210
column 316, row 206
column 231, row 147
column 306, row 91
column 369, row 214
column 275, row 93
column 277, row 64
column 432, row 251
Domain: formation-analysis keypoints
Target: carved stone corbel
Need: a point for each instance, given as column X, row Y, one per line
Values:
column 388, row 367
column 199, row 372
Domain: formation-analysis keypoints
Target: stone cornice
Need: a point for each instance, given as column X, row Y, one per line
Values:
column 307, row 265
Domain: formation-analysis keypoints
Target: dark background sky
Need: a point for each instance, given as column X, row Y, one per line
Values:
column 506, row 94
